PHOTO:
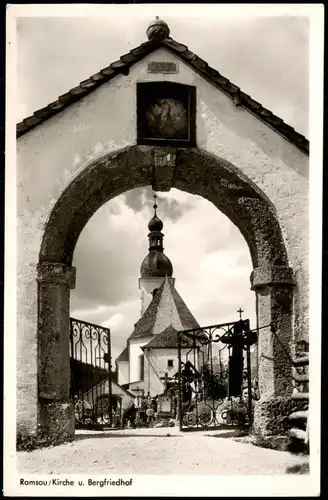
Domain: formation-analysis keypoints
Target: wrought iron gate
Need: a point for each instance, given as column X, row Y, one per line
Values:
column 214, row 377
column 91, row 387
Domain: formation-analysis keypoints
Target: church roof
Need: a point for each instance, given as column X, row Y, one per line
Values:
column 124, row 356
column 151, row 317
column 168, row 338
column 187, row 319
column 123, row 65
column 145, row 324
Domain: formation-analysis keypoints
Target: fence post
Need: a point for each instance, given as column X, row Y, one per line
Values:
column 179, row 406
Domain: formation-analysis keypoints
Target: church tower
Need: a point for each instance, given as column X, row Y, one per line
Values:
column 152, row 350
column 156, row 265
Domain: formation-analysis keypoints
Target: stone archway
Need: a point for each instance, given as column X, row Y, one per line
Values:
column 189, row 170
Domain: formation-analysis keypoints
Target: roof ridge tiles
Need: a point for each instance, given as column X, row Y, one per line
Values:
column 212, row 71
column 65, row 96
column 97, row 76
column 118, row 64
column 150, row 43
column 30, row 119
column 138, row 51
column 127, row 58
column 75, row 91
column 180, row 47
column 41, row 112
column 56, row 104
column 276, row 120
column 200, row 63
column 257, row 105
column 264, row 111
column 189, row 55
column 107, row 71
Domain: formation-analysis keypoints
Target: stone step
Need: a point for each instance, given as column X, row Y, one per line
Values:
column 301, row 377
column 304, row 360
column 300, row 395
column 299, row 434
column 299, row 415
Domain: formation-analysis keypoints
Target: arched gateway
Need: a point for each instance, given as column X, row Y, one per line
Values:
column 100, row 140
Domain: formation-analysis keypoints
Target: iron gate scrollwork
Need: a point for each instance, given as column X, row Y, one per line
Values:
column 214, row 376
column 91, row 377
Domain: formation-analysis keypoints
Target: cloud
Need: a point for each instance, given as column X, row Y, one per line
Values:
column 116, row 237
column 114, row 321
column 169, row 208
column 108, row 257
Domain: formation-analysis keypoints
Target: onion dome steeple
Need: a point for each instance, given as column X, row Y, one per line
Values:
column 156, row 264
column 155, row 225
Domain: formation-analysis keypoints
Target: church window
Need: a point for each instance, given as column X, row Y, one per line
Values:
column 141, row 360
column 170, row 363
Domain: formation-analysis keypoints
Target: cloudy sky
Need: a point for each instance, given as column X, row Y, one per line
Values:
column 266, row 56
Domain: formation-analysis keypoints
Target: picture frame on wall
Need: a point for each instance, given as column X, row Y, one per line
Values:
column 166, row 114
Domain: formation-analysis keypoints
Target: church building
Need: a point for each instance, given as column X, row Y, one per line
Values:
column 151, row 354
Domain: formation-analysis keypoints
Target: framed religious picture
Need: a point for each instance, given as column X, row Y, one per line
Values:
column 165, row 405
column 166, row 114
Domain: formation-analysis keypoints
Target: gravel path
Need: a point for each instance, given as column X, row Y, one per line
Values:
column 155, row 451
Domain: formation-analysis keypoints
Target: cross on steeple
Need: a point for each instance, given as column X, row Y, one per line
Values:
column 240, row 310
column 155, row 204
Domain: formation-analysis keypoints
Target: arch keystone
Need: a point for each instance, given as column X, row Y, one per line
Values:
column 164, row 168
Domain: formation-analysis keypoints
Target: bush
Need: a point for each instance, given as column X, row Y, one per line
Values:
column 30, row 442
column 299, row 469
column 235, row 410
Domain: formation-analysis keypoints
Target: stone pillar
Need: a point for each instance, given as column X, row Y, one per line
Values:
column 274, row 299
column 55, row 410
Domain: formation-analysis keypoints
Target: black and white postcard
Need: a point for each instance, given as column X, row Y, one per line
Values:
column 163, row 250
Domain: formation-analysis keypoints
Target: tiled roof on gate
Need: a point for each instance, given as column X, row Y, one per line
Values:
column 122, row 66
